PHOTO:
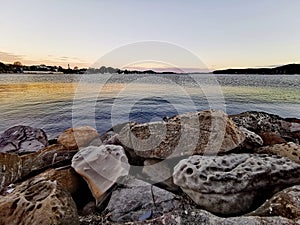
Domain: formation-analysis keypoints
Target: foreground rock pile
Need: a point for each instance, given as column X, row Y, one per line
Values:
column 196, row 168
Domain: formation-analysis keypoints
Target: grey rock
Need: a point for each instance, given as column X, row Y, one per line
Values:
column 22, row 140
column 159, row 172
column 231, row 184
column 137, row 200
column 205, row 132
column 192, row 217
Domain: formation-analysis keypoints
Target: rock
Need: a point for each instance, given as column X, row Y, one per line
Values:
column 38, row 201
column 23, row 140
column 232, row 184
column 157, row 171
column 74, row 138
column 15, row 168
column 65, row 177
column 271, row 138
column 10, row 169
column 205, row 132
column 191, row 217
column 259, row 122
column 51, row 157
column 137, row 200
column 101, row 167
column 289, row 150
column 252, row 140
column 285, row 203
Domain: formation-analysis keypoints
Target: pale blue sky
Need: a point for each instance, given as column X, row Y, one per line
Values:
column 222, row 33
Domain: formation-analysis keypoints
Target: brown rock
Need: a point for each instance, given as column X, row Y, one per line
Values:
column 271, row 138
column 78, row 137
column 289, row 150
column 38, row 201
column 285, row 203
column 65, row 177
column 205, row 132
column 10, row 169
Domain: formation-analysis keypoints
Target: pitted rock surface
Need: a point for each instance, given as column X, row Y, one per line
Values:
column 285, row 203
column 260, row 122
column 231, row 184
column 74, row 138
column 289, row 150
column 252, row 140
column 23, row 140
column 208, row 132
column 38, row 201
column 136, row 200
column 101, row 167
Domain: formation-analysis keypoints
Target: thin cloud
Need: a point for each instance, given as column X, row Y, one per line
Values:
column 10, row 57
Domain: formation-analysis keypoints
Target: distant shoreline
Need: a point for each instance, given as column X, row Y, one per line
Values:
column 289, row 69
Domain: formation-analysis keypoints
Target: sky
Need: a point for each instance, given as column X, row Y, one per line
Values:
column 221, row 33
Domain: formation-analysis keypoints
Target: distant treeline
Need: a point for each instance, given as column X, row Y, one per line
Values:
column 286, row 69
column 17, row 67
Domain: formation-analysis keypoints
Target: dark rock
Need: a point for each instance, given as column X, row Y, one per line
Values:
column 22, row 140
column 259, row 122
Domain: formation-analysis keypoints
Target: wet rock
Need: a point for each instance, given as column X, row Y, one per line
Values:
column 252, row 140
column 259, row 122
column 38, row 201
column 23, row 140
column 101, row 167
column 74, row 138
column 285, row 203
column 205, row 132
column 158, row 171
column 271, row 138
column 232, row 184
column 136, row 200
column 289, row 150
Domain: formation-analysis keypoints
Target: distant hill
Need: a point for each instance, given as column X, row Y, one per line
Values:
column 286, row 69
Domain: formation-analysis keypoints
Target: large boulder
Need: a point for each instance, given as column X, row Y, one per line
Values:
column 233, row 184
column 78, row 137
column 23, row 140
column 137, row 200
column 101, row 167
column 38, row 201
column 205, row 132
column 285, row 203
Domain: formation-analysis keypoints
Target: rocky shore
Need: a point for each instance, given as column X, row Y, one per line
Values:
column 196, row 168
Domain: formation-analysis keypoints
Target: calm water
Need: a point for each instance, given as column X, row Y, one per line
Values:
column 57, row 102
